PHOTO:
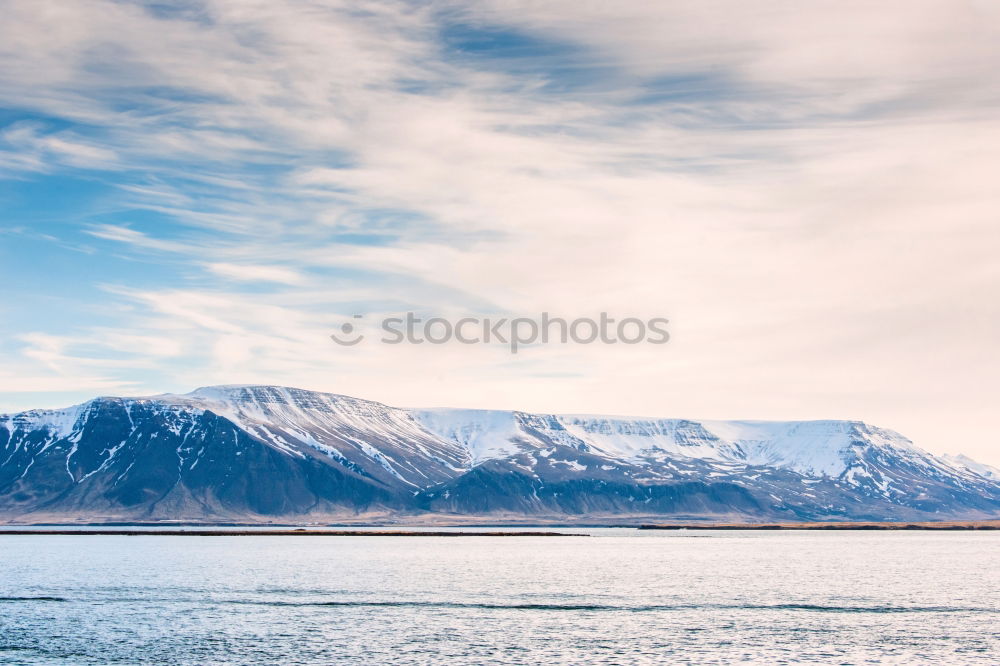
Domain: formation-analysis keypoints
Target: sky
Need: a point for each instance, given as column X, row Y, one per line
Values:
column 199, row 193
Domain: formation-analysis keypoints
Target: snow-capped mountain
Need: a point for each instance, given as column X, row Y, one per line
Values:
column 252, row 453
column 967, row 463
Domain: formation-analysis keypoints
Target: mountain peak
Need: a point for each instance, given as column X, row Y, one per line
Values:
column 237, row 450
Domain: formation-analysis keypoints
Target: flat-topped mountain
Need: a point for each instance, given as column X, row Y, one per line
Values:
column 267, row 453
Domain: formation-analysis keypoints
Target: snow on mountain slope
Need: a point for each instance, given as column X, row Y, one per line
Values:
column 229, row 450
column 58, row 422
column 966, row 463
column 811, row 448
column 457, row 439
column 632, row 438
column 483, row 434
column 365, row 436
column 343, row 427
column 816, row 448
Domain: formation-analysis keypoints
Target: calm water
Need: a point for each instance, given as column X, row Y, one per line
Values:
column 617, row 597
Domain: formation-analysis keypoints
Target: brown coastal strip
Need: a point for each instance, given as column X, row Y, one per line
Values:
column 272, row 533
column 932, row 526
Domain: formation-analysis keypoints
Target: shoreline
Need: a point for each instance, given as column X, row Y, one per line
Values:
column 296, row 532
column 943, row 526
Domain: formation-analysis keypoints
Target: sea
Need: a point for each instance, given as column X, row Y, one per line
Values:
column 598, row 596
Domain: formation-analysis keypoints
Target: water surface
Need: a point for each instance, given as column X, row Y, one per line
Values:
column 617, row 596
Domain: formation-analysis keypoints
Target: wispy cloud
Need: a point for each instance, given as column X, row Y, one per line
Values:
column 250, row 273
column 805, row 191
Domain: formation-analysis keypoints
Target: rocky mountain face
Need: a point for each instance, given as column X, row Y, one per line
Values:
column 265, row 453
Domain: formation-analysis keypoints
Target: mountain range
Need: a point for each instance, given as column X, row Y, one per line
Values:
column 276, row 454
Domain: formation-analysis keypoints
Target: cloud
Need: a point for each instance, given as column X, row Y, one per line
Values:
column 134, row 238
column 30, row 148
column 832, row 53
column 16, row 383
column 805, row 191
column 250, row 273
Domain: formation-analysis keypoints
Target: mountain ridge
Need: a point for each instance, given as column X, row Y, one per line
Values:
column 259, row 453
